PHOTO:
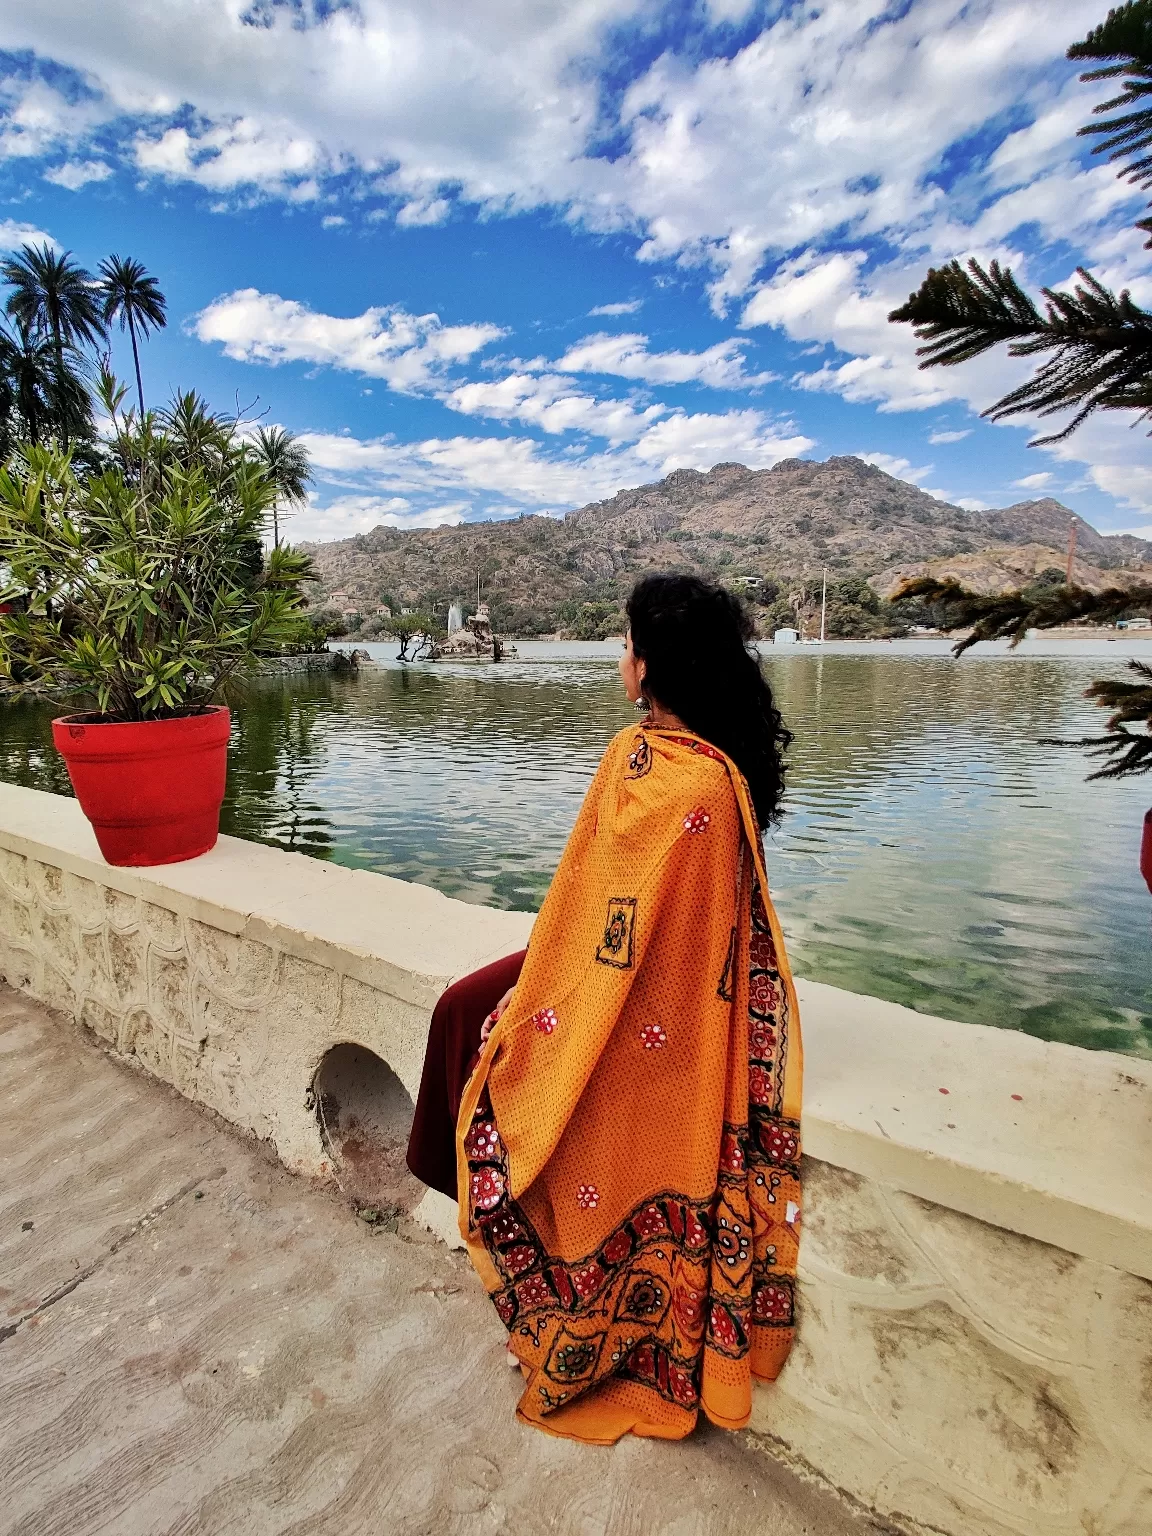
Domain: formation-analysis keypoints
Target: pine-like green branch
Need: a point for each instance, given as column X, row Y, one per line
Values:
column 1101, row 343
column 1125, row 39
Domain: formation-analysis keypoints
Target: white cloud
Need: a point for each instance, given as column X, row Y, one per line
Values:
column 1116, row 458
column 348, row 515
column 515, row 468
column 661, row 435
column 14, row 234
column 728, row 10
column 628, row 307
column 1131, row 484
column 408, row 351
column 825, row 299
column 1036, row 482
column 808, row 293
column 424, row 211
column 36, row 119
column 969, row 503
column 333, row 221
column 496, row 105
column 720, row 366
column 838, row 117
column 893, row 465
column 949, row 437
column 685, row 441
column 1034, row 149
column 74, row 174
column 553, row 404
column 836, row 299
column 1143, row 532
column 236, row 153
column 525, row 475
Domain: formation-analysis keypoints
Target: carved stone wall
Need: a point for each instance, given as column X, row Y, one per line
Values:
column 962, row 1378
column 237, row 1023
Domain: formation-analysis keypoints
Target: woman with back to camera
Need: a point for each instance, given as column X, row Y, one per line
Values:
column 626, row 1147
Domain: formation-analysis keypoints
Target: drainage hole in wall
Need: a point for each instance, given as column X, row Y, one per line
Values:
column 365, row 1114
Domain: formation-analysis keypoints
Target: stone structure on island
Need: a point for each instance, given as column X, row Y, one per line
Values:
column 474, row 640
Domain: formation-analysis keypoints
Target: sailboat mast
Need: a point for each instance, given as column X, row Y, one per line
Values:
column 823, row 604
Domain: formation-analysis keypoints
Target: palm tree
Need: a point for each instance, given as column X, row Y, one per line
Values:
column 131, row 293
column 284, row 460
column 28, row 375
column 37, row 400
column 56, row 297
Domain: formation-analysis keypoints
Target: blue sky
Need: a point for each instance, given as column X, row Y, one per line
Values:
column 519, row 256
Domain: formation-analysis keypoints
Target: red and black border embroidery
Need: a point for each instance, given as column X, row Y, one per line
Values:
column 772, row 1149
column 532, row 1281
column 701, row 748
column 614, row 1298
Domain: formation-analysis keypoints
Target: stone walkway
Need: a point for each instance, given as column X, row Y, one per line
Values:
column 194, row 1341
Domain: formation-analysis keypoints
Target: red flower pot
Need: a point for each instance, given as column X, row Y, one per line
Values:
column 151, row 788
column 1146, row 850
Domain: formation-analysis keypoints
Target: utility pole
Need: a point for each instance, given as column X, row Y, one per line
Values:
column 1071, row 551
column 823, row 604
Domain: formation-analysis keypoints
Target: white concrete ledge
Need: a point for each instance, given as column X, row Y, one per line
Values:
column 1047, row 1140
column 1067, row 1161
column 407, row 939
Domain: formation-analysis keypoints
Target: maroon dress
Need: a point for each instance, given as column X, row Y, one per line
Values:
column 453, row 1045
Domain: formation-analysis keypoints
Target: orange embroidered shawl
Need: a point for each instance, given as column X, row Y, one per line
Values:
column 629, row 1144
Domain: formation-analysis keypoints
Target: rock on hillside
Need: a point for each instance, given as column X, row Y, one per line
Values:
column 1007, row 568
column 784, row 524
column 1046, row 522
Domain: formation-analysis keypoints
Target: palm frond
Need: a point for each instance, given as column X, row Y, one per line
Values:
column 130, row 294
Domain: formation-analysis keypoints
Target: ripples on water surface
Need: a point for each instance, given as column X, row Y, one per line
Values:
column 933, row 852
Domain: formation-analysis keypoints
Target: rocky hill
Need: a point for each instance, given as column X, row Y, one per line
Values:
column 1007, row 568
column 782, row 524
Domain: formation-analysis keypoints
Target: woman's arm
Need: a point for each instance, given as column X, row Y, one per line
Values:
column 495, row 1016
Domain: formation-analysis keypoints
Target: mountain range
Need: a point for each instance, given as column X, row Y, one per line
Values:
column 784, row 525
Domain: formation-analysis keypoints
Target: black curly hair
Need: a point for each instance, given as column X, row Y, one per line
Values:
column 695, row 640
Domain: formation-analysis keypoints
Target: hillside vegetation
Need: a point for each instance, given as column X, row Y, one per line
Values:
column 784, row 525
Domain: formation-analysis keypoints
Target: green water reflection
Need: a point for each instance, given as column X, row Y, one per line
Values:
column 933, row 852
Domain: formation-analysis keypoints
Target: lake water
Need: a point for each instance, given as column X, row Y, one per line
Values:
column 933, row 852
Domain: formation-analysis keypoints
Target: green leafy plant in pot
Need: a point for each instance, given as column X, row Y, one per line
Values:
column 146, row 587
